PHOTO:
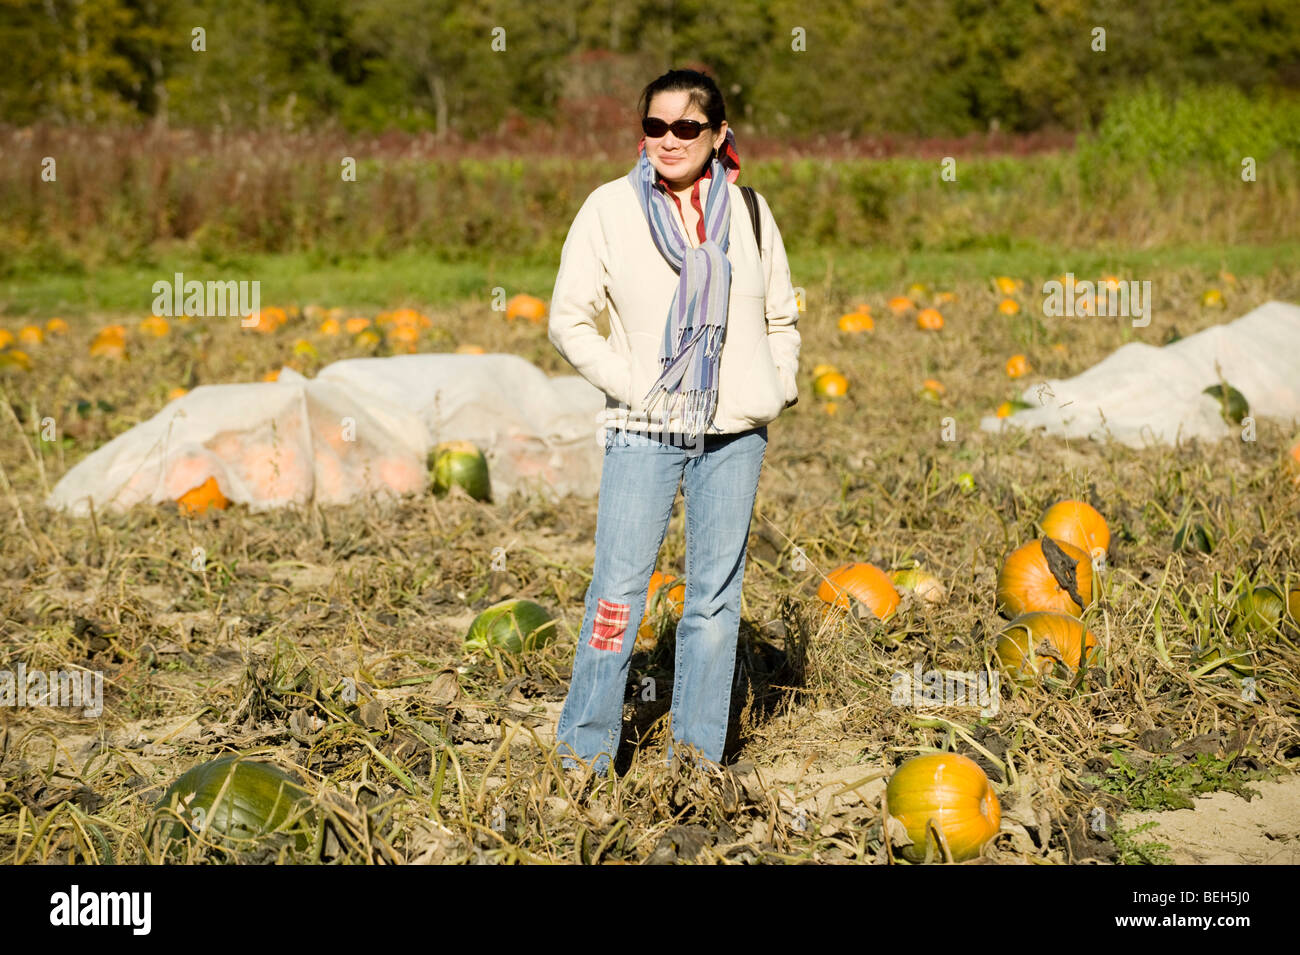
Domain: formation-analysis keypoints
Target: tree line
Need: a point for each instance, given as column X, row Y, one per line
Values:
column 786, row 67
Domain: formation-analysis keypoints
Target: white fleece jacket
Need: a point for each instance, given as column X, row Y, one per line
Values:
column 611, row 264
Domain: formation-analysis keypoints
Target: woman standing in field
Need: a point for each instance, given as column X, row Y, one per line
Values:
column 702, row 354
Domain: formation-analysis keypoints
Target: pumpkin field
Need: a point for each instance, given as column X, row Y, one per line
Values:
column 334, row 642
column 962, row 641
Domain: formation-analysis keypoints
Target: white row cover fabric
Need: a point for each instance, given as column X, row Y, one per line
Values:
column 362, row 426
column 1142, row 395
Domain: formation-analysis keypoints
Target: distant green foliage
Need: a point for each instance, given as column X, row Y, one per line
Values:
column 129, row 196
column 931, row 68
column 1151, row 131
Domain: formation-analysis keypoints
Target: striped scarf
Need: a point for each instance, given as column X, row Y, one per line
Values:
column 697, row 318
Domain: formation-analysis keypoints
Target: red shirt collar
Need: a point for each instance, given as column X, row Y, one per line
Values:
column 706, row 174
column 700, row 231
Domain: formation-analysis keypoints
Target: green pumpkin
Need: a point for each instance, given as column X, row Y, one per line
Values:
column 460, row 464
column 1194, row 537
column 258, row 799
column 1232, row 403
column 513, row 625
column 1238, row 658
column 1259, row 611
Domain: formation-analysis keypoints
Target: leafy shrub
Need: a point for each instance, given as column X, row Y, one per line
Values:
column 1148, row 131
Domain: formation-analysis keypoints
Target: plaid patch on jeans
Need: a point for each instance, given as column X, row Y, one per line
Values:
column 610, row 625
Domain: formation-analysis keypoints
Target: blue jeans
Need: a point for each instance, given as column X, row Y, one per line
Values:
column 719, row 476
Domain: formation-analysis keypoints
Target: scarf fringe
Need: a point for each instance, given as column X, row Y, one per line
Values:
column 695, row 408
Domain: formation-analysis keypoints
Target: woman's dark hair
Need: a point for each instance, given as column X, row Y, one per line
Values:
column 704, row 93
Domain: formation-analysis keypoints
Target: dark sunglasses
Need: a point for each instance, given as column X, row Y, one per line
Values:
column 655, row 127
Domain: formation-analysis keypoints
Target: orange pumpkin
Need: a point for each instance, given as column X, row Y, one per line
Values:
column 409, row 318
column 56, row 326
column 932, row 389
column 403, row 337
column 13, row 358
column 1007, row 285
column 1045, row 575
column 1293, row 461
column 333, row 433
column 273, row 471
column 31, row 335
column 1023, row 654
column 1077, row 523
column 268, row 319
column 356, row 325
column 945, row 795
column 109, row 342
column 1009, row 306
column 199, row 500
column 663, row 596
column 155, row 325
column 1016, row 366
column 526, row 306
column 855, row 322
column 866, row 583
column 900, row 304
column 830, row 384
column 929, row 319
column 400, row 475
column 329, row 481
column 6, row 338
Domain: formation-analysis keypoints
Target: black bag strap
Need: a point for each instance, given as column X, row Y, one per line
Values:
column 751, row 200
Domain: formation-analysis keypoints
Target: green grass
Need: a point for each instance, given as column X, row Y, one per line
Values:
column 284, row 278
column 875, row 270
column 417, row 278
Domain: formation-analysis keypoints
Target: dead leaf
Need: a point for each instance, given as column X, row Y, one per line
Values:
column 896, row 832
column 445, row 687
column 1063, row 568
